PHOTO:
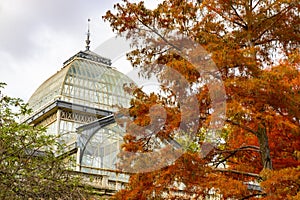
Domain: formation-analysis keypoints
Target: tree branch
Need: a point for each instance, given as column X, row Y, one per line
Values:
column 227, row 18
column 237, row 14
column 233, row 152
column 154, row 30
column 238, row 172
column 246, row 128
column 254, row 195
column 243, row 148
column 283, row 11
column 253, row 8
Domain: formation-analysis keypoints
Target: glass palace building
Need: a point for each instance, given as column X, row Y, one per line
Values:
column 77, row 104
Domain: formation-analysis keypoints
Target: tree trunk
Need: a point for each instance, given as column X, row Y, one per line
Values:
column 264, row 147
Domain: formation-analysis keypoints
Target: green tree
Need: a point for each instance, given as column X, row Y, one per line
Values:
column 28, row 167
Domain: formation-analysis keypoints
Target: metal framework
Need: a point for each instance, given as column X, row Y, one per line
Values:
column 78, row 117
column 85, row 82
column 98, row 145
column 77, row 104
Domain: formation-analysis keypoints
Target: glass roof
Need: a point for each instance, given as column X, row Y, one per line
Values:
column 84, row 80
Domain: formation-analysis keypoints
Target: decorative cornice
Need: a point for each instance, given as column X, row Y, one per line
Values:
column 89, row 55
column 59, row 104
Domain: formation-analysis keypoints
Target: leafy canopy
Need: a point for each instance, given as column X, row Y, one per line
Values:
column 28, row 166
column 255, row 47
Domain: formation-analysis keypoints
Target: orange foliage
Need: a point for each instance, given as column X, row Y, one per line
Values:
column 282, row 184
column 261, row 136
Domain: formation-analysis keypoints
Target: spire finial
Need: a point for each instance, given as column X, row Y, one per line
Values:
column 88, row 36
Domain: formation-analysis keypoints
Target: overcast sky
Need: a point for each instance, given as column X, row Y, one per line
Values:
column 37, row 36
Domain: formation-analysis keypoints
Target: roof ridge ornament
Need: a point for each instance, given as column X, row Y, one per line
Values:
column 87, row 41
column 87, row 54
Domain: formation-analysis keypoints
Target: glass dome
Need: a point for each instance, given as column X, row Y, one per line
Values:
column 86, row 79
column 77, row 105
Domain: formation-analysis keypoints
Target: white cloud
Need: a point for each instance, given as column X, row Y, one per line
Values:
column 37, row 36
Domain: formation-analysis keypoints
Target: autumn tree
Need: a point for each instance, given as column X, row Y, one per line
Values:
column 254, row 45
column 28, row 167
